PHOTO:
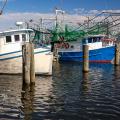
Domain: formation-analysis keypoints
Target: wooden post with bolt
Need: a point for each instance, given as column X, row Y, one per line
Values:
column 117, row 54
column 32, row 65
column 26, row 63
column 85, row 58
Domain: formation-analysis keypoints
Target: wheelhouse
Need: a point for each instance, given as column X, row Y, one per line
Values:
column 98, row 41
column 12, row 40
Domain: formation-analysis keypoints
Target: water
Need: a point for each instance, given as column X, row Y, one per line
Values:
column 67, row 95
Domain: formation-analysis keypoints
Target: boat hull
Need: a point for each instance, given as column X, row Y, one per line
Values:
column 11, row 63
column 102, row 55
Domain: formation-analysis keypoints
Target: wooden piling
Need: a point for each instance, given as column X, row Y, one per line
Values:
column 26, row 63
column 55, row 54
column 52, row 46
column 32, row 65
column 85, row 58
column 117, row 56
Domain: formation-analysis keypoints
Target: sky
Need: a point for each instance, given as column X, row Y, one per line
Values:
column 47, row 6
column 16, row 10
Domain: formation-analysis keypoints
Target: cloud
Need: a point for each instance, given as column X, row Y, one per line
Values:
column 79, row 10
column 93, row 12
column 8, row 20
column 82, row 11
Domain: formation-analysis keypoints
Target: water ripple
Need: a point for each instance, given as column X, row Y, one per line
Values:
column 67, row 95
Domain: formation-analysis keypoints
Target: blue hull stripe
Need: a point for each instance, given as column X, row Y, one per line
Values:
column 103, row 54
column 10, row 53
column 17, row 56
column 80, row 56
column 14, row 52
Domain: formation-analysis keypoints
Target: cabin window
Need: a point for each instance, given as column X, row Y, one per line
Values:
column 94, row 39
column 17, row 38
column 23, row 37
column 8, row 39
column 98, row 39
column 90, row 40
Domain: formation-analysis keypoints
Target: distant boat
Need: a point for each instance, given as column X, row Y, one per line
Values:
column 11, row 54
column 101, row 49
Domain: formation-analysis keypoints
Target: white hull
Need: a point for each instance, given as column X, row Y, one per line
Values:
column 11, row 63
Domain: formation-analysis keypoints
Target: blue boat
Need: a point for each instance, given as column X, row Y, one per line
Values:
column 101, row 50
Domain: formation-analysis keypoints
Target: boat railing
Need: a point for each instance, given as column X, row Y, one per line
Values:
column 108, row 42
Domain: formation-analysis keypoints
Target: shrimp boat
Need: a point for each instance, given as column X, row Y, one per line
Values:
column 11, row 53
column 101, row 50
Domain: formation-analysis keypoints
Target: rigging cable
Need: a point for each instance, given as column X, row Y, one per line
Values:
column 4, row 4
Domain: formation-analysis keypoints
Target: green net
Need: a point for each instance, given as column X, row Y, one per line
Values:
column 58, row 34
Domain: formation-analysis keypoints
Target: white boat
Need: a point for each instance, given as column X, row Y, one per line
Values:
column 11, row 53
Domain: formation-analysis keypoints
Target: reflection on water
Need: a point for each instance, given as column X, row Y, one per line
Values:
column 9, row 97
column 27, row 98
column 85, row 83
column 69, row 94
